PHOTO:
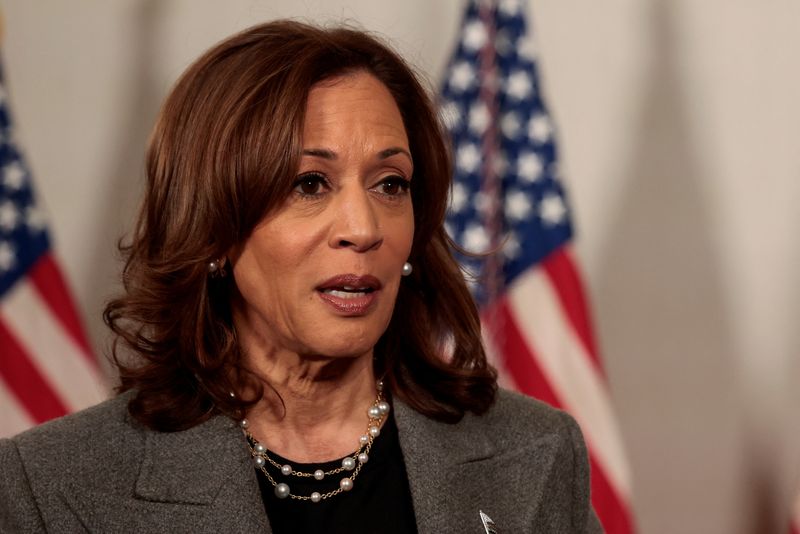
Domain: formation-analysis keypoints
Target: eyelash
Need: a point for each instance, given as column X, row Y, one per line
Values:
column 317, row 178
column 309, row 177
column 403, row 183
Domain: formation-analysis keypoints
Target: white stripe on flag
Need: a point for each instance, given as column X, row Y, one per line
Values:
column 51, row 349
column 570, row 372
column 13, row 417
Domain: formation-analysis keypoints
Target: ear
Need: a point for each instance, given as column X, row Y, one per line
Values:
column 233, row 254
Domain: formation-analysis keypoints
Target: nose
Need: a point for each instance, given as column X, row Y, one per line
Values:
column 357, row 225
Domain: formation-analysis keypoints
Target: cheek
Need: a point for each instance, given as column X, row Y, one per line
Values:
column 402, row 233
column 251, row 279
column 259, row 266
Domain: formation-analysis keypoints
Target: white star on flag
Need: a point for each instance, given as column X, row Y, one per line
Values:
column 8, row 256
column 458, row 197
column 518, row 205
column 476, row 239
column 475, row 35
column 462, row 76
column 552, row 210
column 539, row 128
column 13, row 176
column 9, row 216
column 510, row 125
column 468, row 157
column 519, row 85
column 478, row 118
column 529, row 167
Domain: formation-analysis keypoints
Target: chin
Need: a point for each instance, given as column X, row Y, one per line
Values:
column 347, row 342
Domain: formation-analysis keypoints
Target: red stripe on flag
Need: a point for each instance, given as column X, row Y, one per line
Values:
column 566, row 281
column 517, row 356
column 520, row 360
column 25, row 382
column 614, row 516
column 46, row 278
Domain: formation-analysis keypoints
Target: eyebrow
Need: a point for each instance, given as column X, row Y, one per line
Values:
column 383, row 154
column 389, row 152
column 319, row 153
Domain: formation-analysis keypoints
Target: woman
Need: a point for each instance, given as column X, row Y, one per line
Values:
column 306, row 355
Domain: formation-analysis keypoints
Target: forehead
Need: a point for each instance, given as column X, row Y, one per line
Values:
column 349, row 106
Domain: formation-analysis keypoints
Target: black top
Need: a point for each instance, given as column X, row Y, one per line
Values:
column 380, row 501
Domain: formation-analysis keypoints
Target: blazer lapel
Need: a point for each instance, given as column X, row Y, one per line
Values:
column 456, row 471
column 199, row 480
column 205, row 465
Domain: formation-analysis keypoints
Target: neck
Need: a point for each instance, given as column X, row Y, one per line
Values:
column 314, row 408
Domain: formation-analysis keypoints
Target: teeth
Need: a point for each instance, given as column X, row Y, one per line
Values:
column 345, row 294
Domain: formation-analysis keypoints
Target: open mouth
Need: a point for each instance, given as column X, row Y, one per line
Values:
column 347, row 292
column 350, row 285
column 350, row 294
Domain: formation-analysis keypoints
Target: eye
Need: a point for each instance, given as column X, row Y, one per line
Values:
column 310, row 184
column 393, row 186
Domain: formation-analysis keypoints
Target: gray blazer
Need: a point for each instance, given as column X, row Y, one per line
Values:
column 523, row 464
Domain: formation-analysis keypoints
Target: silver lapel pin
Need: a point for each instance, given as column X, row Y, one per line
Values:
column 488, row 524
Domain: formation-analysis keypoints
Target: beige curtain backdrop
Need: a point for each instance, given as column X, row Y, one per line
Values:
column 679, row 124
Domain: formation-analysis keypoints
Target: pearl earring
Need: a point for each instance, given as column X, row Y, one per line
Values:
column 407, row 269
column 217, row 267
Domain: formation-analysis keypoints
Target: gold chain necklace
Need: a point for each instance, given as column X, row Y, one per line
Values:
column 352, row 463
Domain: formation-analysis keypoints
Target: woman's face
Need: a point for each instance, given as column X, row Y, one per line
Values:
column 320, row 275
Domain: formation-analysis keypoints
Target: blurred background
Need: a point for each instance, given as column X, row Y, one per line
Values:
column 679, row 130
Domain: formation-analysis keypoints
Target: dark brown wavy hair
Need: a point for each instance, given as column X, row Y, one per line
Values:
column 224, row 153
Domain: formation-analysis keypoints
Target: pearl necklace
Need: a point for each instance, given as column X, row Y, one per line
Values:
column 376, row 415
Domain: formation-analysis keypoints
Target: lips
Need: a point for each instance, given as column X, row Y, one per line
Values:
column 350, row 294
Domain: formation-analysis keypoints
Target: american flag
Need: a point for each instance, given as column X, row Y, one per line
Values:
column 507, row 197
column 46, row 364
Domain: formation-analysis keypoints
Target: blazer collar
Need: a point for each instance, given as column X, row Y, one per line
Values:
column 439, row 446
column 194, row 478
column 208, row 464
column 192, row 466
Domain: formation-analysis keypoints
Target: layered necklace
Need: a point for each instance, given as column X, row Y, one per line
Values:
column 351, row 464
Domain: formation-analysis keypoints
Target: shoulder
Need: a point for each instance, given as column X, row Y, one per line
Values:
column 92, row 447
column 517, row 418
column 512, row 420
column 514, row 423
column 80, row 429
column 81, row 446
